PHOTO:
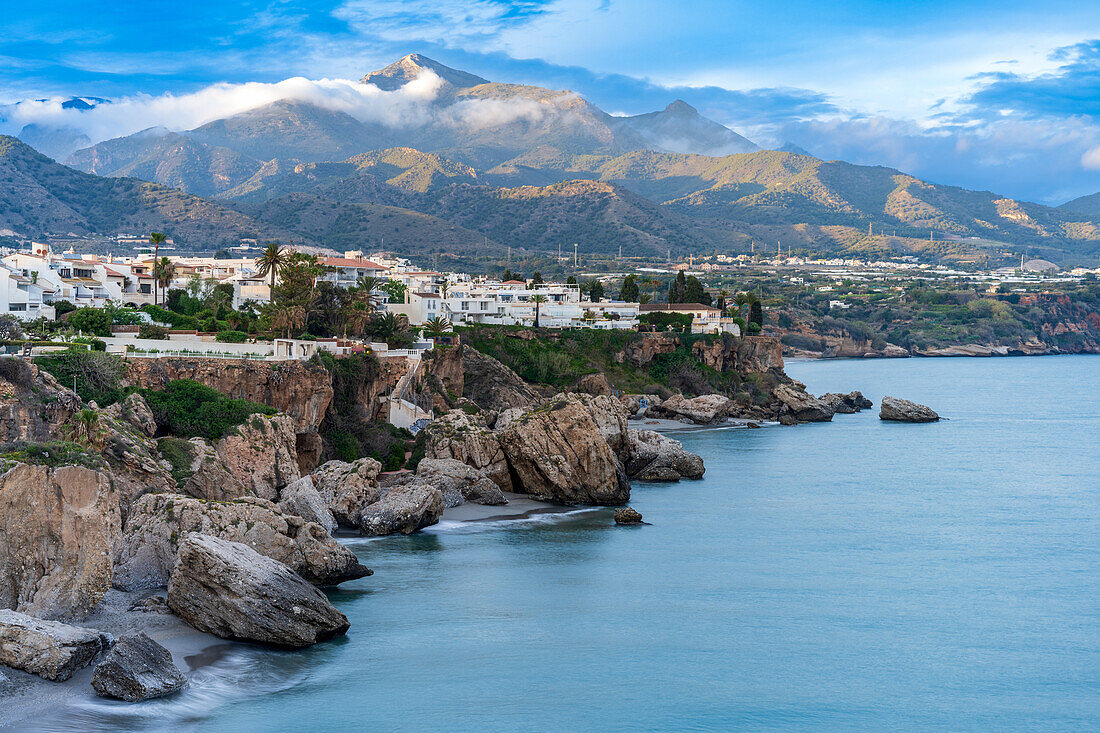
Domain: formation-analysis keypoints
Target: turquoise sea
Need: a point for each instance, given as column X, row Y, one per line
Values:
column 853, row 575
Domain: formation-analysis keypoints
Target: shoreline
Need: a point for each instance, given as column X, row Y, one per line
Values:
column 799, row 358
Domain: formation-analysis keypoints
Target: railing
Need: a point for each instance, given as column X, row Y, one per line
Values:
column 155, row 354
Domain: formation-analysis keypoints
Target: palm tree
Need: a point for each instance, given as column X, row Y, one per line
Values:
column 156, row 239
column 163, row 272
column 537, row 300
column 272, row 260
column 436, row 326
column 288, row 317
column 367, row 288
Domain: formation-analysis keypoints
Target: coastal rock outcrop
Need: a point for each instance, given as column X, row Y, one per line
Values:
column 466, row 438
column 262, row 454
column 702, row 410
column 626, row 515
column 492, row 385
column 49, row 649
column 558, row 454
column 801, row 406
column 348, row 487
column 302, row 499
column 402, row 509
column 210, row 478
column 33, row 405
column 846, row 404
column 448, row 474
column 137, row 668
column 657, row 457
column 899, row 410
column 135, row 411
column 58, row 528
column 158, row 524
column 230, row 590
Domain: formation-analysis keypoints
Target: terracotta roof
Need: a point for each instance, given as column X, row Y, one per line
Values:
column 659, row 307
column 345, row 262
column 427, row 295
column 514, row 282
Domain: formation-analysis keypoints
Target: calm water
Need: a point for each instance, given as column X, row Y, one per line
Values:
column 852, row 575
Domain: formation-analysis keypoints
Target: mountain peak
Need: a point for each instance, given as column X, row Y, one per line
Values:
column 680, row 107
column 407, row 68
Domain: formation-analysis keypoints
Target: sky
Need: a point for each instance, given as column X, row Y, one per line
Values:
column 1001, row 96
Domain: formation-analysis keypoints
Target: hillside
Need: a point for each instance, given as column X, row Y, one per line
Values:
column 39, row 196
column 1087, row 205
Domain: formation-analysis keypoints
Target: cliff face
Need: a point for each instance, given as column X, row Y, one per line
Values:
column 747, row 354
column 301, row 390
column 24, row 413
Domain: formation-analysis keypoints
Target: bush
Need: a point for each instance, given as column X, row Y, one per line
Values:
column 187, row 409
column 177, row 452
column 345, row 445
column 95, row 321
column 176, row 320
column 61, row 307
column 96, row 375
column 754, row 328
column 231, row 337
column 152, row 331
column 208, row 325
column 680, row 322
column 91, row 343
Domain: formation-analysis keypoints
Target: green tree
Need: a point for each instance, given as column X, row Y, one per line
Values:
column 271, row 262
column 395, row 289
column 538, row 300
column 163, row 272
column 629, row 291
column 595, row 290
column 156, row 239
column 677, row 290
column 694, row 291
column 437, row 326
column 95, row 321
column 756, row 313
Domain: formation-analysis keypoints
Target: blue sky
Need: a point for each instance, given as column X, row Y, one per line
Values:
column 990, row 95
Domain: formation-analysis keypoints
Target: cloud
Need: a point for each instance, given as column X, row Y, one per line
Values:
column 1091, row 159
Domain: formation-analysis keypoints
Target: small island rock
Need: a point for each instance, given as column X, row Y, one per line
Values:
column 626, row 515
column 899, row 410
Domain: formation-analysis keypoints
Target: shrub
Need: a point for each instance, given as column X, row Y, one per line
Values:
column 209, row 324
column 754, row 328
column 231, row 337
column 53, row 453
column 177, row 452
column 97, row 375
column 680, row 322
column 152, row 331
column 187, row 409
column 95, row 321
column 345, row 445
column 176, row 320
column 61, row 307
column 10, row 328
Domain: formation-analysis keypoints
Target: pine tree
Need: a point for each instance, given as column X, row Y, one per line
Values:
column 629, row 291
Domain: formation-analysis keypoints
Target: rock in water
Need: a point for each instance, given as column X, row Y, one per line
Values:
column 846, row 404
column 137, row 668
column 658, row 457
column 802, row 406
column 899, row 410
column 701, row 410
column 348, row 487
column 626, row 515
column 49, row 649
column 403, row 509
column 230, row 590
column 558, row 454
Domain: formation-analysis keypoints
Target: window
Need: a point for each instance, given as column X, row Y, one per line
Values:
column 16, row 307
column 465, row 305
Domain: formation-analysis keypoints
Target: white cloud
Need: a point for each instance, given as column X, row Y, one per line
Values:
column 1090, row 161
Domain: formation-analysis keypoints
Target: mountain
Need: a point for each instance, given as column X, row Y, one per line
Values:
column 407, row 68
column 471, row 121
column 39, row 197
column 58, row 141
column 679, row 128
column 1087, row 205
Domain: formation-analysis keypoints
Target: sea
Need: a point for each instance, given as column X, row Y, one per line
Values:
column 851, row 575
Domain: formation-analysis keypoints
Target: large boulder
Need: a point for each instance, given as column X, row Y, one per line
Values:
column 49, row 649
column 702, row 410
column 137, row 668
column 899, row 410
column 846, row 404
column 800, row 405
column 58, row 528
column 658, row 457
column 135, row 462
column 466, row 438
column 610, row 416
column 262, row 454
column 158, row 523
column 403, row 509
column 347, row 488
column 210, row 478
column 302, row 499
column 557, row 454
column 449, row 475
column 229, row 590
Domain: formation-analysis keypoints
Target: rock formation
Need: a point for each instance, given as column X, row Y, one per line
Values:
column 33, row 405
column 899, row 410
column 137, row 668
column 846, row 403
column 557, row 454
column 449, row 475
column 302, row 499
column 230, row 590
column 262, row 454
column 58, row 528
column 158, row 524
column 347, row 488
column 801, row 406
column 402, row 509
column 657, row 457
column 626, row 515
column 210, row 478
column 466, row 438
column 49, row 649
column 492, row 385
column 701, row 410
